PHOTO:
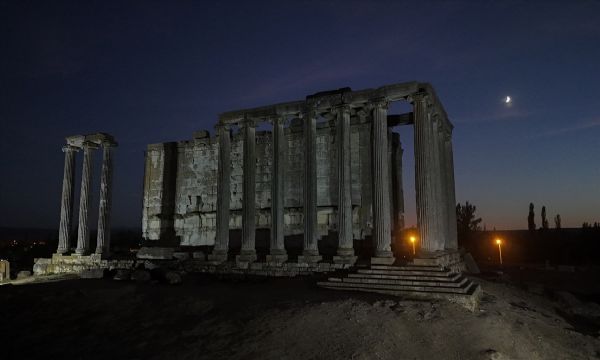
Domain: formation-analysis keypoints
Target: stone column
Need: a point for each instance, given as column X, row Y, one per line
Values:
column 219, row 253
column 425, row 190
column 83, row 233
column 441, row 217
column 311, row 251
column 398, row 186
column 277, row 253
column 345, row 249
column 66, row 203
column 103, row 238
column 451, row 240
column 381, row 187
column 248, row 252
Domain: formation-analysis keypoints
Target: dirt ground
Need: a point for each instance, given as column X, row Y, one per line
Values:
column 207, row 318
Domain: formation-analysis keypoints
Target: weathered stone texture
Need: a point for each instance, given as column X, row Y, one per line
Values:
column 189, row 208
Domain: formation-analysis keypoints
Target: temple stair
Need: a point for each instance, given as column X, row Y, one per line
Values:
column 410, row 281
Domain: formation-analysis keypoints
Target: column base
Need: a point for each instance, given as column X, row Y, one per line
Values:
column 245, row 257
column 277, row 258
column 217, row 257
column 383, row 260
column 103, row 253
column 310, row 256
column 345, row 259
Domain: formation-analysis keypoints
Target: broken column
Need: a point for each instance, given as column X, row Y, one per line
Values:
column 381, row 177
column 103, row 238
column 66, row 203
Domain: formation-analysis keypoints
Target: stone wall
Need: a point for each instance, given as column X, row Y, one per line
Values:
column 180, row 184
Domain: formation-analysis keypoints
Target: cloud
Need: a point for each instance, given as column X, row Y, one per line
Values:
column 502, row 115
column 581, row 126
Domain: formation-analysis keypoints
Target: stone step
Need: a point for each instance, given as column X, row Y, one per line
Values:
column 465, row 289
column 407, row 267
column 445, row 273
column 419, row 282
column 443, row 278
column 406, row 283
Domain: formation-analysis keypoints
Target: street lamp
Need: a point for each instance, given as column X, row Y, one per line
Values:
column 412, row 240
column 499, row 242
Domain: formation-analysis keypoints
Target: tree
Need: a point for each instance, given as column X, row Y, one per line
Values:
column 545, row 225
column 465, row 218
column 557, row 222
column 531, row 218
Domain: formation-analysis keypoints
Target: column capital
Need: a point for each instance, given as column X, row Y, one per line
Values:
column 89, row 145
column 378, row 103
column 70, row 148
column 342, row 108
column 418, row 96
column 109, row 144
column 248, row 122
column 222, row 126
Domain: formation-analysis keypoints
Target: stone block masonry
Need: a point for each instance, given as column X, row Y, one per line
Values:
column 333, row 164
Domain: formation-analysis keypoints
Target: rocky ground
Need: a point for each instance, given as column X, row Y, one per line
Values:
column 209, row 318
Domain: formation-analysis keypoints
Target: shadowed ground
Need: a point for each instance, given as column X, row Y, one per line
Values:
column 206, row 318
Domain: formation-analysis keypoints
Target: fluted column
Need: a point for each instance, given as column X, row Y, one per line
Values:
column 248, row 252
column 219, row 253
column 451, row 240
column 103, row 238
column 311, row 251
column 441, row 217
column 345, row 249
column 381, row 187
column 66, row 203
column 424, row 184
column 277, row 251
column 398, row 193
column 83, row 233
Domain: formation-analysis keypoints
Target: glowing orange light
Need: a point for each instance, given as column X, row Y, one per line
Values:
column 499, row 242
column 412, row 240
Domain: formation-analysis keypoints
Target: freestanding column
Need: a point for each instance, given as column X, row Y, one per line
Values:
column 311, row 251
column 381, row 187
column 345, row 250
column 219, row 253
column 425, row 190
column 83, row 233
column 103, row 238
column 248, row 253
column 66, row 204
column 277, row 251
column 451, row 241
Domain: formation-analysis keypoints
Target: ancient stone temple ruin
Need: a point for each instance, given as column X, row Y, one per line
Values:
column 330, row 164
column 325, row 167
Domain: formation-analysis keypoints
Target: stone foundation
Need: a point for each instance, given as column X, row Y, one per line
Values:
column 450, row 259
column 77, row 264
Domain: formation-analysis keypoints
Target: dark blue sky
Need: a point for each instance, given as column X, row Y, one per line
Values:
column 149, row 71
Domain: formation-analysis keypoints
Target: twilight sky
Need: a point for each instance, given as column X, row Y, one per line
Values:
column 155, row 71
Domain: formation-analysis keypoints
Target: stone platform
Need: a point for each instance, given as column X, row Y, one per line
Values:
column 78, row 264
column 410, row 281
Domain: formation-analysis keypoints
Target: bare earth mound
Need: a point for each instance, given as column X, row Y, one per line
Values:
column 276, row 319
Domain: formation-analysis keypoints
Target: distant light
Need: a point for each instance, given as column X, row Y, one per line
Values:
column 412, row 239
column 507, row 100
column 498, row 241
